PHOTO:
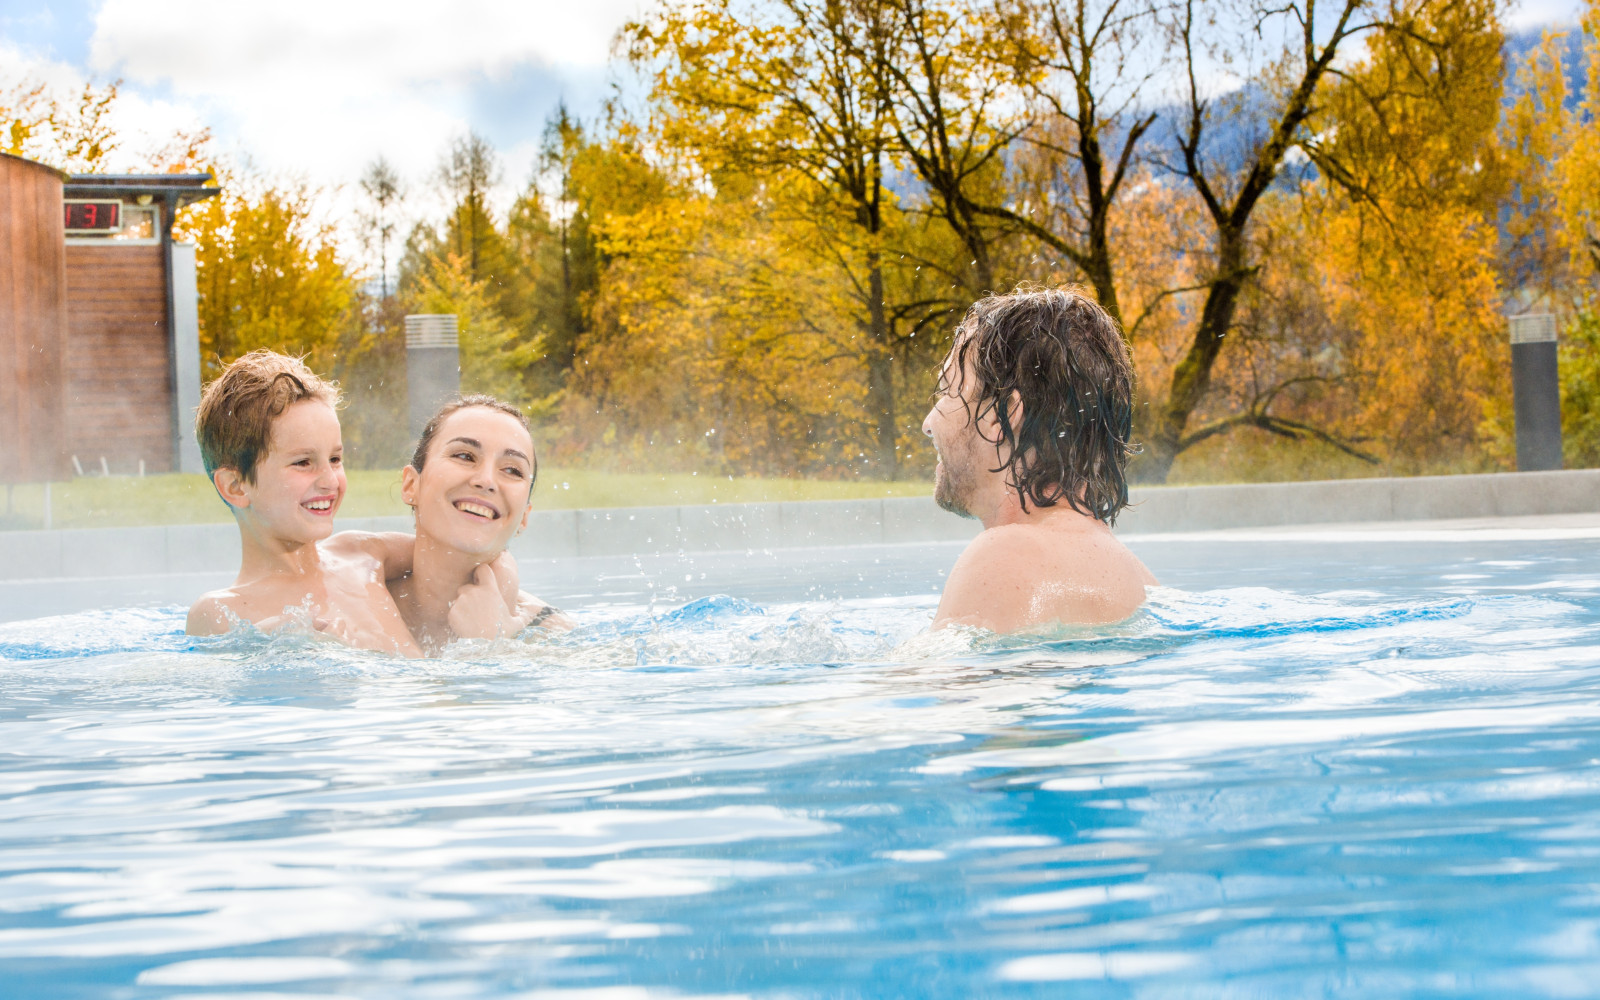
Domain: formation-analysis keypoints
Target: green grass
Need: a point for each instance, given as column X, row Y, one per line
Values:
column 177, row 499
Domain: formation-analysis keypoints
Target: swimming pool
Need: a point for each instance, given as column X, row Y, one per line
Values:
column 1355, row 763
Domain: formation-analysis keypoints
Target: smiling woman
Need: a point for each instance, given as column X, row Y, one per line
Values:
column 469, row 484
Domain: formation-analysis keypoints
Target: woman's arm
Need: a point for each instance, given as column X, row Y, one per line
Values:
column 533, row 611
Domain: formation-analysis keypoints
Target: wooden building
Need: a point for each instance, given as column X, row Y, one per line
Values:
column 99, row 325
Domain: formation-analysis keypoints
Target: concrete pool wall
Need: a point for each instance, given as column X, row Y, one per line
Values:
column 214, row 548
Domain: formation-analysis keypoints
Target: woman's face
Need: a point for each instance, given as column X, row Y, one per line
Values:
column 472, row 492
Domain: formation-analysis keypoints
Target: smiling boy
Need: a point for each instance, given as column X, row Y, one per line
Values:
column 270, row 438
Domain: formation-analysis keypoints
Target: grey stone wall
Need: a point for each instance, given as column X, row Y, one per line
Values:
column 214, row 548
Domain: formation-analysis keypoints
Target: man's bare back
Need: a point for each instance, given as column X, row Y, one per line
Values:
column 1064, row 567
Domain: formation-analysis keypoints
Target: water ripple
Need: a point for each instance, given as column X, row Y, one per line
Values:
column 1236, row 792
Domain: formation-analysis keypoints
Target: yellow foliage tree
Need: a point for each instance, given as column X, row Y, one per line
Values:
column 1555, row 220
column 783, row 107
column 269, row 275
column 493, row 355
column 72, row 134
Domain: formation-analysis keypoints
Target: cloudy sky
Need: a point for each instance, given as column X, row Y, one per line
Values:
column 317, row 88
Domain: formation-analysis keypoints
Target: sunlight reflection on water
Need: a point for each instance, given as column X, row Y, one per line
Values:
column 1367, row 779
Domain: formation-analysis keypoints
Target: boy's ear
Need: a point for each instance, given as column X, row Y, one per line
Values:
column 408, row 485
column 230, row 487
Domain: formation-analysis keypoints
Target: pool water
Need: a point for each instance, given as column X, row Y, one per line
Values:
column 1315, row 765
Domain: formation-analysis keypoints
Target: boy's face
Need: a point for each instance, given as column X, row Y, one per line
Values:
column 300, row 480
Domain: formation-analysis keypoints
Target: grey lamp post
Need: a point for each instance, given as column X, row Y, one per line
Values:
column 1536, row 391
column 433, row 365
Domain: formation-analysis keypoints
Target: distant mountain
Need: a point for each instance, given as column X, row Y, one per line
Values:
column 1521, row 47
column 1242, row 118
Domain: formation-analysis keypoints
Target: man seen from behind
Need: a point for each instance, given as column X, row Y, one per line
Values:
column 1033, row 422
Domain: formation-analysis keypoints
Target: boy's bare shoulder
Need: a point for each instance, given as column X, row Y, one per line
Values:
column 361, row 552
column 214, row 613
column 390, row 550
column 352, row 543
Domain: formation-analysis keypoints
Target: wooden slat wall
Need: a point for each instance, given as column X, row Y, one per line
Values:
column 119, row 379
column 32, row 323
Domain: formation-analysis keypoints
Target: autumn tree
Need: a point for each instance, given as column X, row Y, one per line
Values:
column 269, row 274
column 788, row 97
column 1267, row 119
column 493, row 354
column 71, row 133
column 381, row 186
column 550, row 232
column 950, row 82
column 721, row 339
column 1084, row 68
column 470, row 170
column 1553, row 217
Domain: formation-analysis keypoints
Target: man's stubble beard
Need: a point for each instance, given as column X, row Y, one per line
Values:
column 953, row 486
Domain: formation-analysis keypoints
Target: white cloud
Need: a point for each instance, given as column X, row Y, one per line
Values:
column 1541, row 13
column 366, row 45
column 142, row 123
column 318, row 88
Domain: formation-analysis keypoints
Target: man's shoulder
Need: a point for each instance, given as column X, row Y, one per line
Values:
column 1011, row 537
column 1009, row 543
column 1038, row 540
column 1015, row 575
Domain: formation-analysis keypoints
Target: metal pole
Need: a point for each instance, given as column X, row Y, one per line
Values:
column 168, row 210
column 1536, row 391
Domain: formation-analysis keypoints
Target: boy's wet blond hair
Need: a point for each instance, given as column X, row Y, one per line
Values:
column 234, row 422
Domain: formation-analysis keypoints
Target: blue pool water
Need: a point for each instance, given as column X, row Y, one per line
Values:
column 1316, row 765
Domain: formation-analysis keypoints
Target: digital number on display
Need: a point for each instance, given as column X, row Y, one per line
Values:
column 93, row 216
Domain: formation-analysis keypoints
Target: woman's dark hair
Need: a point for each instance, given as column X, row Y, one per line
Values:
column 1065, row 359
column 431, row 429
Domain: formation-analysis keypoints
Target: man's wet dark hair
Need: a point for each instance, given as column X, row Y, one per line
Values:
column 419, row 458
column 1065, row 359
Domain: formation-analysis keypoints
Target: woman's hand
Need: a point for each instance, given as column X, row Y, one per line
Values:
column 479, row 611
column 532, row 611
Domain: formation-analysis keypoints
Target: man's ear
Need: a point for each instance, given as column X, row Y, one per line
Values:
column 1014, row 412
column 409, row 478
column 988, row 423
column 230, row 487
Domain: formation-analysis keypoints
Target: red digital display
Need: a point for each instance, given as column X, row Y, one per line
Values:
column 93, row 216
